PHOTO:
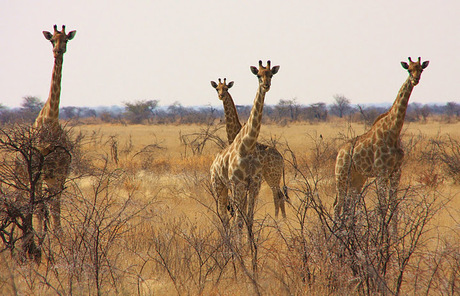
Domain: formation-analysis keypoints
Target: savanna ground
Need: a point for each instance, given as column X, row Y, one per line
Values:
column 139, row 219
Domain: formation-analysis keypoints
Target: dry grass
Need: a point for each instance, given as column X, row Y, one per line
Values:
column 173, row 244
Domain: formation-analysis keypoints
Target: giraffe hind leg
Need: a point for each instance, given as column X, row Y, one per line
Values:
column 276, row 201
column 221, row 194
column 278, row 198
column 273, row 178
column 282, row 196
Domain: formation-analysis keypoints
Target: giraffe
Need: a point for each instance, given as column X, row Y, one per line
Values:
column 236, row 167
column 53, row 142
column 272, row 161
column 378, row 152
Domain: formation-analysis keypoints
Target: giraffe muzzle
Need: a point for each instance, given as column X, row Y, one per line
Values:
column 58, row 52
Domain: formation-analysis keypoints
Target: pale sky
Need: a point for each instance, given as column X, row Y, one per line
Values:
column 170, row 50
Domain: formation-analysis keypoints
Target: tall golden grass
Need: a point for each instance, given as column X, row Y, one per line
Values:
column 170, row 241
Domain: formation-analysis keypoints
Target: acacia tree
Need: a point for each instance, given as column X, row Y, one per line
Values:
column 316, row 112
column 452, row 110
column 341, row 106
column 176, row 111
column 30, row 107
column 141, row 110
column 4, row 114
column 290, row 107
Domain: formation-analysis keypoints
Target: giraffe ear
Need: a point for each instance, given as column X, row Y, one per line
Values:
column 230, row 84
column 213, row 84
column 425, row 64
column 254, row 70
column 275, row 69
column 405, row 65
column 71, row 35
column 47, row 35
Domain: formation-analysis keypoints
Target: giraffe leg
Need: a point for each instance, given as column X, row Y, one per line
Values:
column 243, row 208
column 42, row 209
column 281, row 198
column 384, row 214
column 276, row 200
column 351, row 207
column 221, row 193
column 272, row 171
column 55, row 210
column 278, row 197
column 55, row 188
column 273, row 180
column 239, row 196
column 252, row 195
column 393, row 201
column 382, row 193
column 343, row 180
column 339, row 199
column 349, row 186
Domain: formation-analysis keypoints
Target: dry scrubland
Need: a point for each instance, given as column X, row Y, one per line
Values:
column 142, row 220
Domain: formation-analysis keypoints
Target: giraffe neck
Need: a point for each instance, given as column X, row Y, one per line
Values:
column 50, row 111
column 397, row 112
column 232, row 122
column 250, row 132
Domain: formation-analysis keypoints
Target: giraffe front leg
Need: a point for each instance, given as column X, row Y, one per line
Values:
column 253, row 192
column 382, row 210
column 382, row 193
column 393, row 201
column 242, row 205
column 220, row 192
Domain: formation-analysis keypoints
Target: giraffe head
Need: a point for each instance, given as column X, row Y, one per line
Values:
column 265, row 74
column 59, row 40
column 222, row 88
column 415, row 69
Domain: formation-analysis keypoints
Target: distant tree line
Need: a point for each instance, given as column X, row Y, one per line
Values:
column 286, row 111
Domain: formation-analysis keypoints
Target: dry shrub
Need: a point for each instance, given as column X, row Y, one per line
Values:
column 446, row 150
column 147, row 225
column 197, row 142
column 24, row 161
